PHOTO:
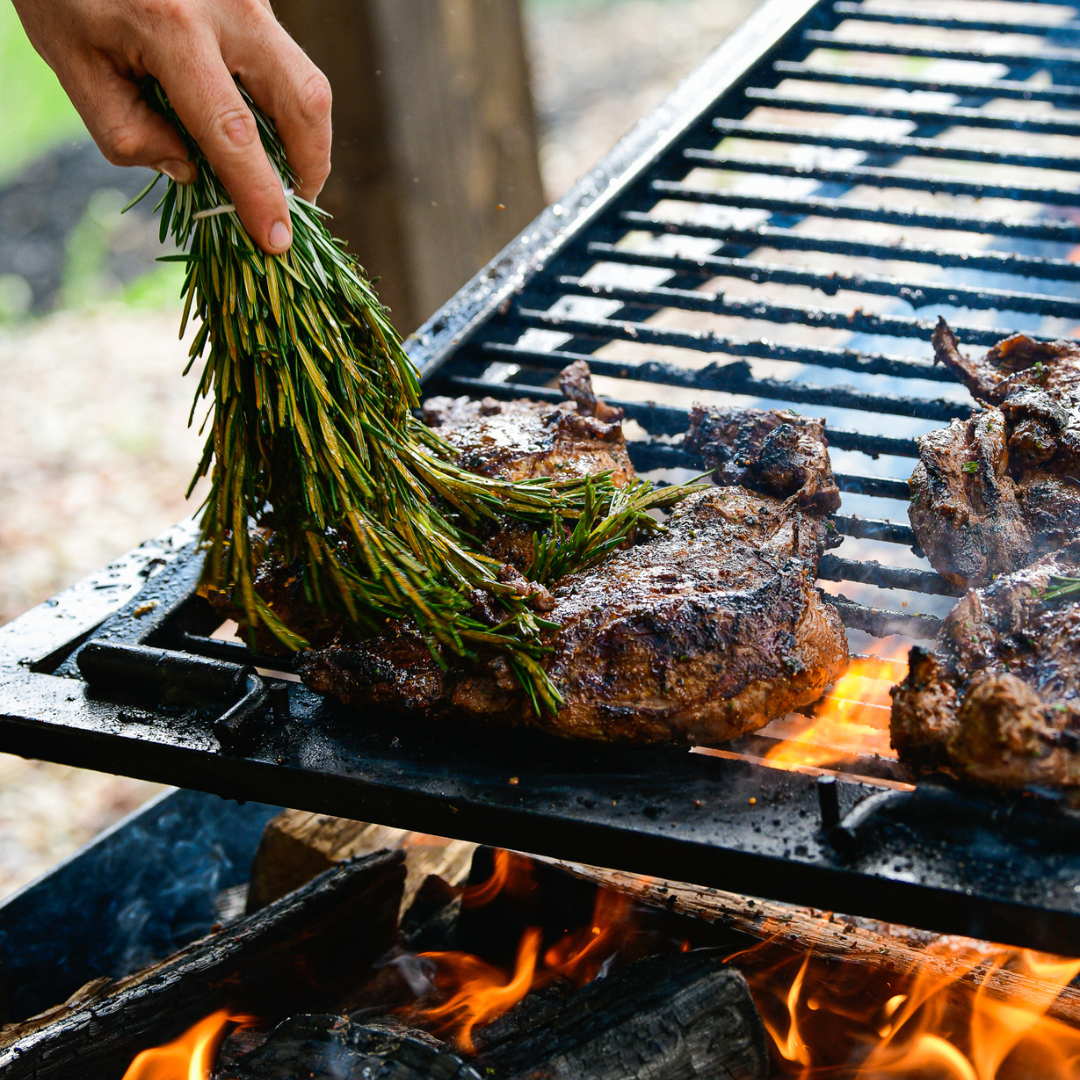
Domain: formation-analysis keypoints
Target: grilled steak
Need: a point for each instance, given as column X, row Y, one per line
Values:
column 518, row 440
column 769, row 450
column 994, row 492
column 696, row 635
column 997, row 700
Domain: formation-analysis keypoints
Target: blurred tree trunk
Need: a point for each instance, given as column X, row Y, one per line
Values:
column 434, row 131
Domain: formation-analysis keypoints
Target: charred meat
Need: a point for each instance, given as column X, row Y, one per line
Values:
column 769, row 450
column 997, row 700
column 518, row 440
column 994, row 492
column 696, row 635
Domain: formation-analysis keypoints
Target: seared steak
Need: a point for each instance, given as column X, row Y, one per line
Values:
column 770, row 450
column 518, row 440
column 696, row 635
column 991, row 493
column 997, row 700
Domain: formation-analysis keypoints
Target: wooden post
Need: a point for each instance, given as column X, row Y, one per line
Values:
column 435, row 161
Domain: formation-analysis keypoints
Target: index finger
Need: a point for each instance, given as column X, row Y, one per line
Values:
column 209, row 105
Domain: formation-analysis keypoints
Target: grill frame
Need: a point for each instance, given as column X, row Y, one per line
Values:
column 946, row 860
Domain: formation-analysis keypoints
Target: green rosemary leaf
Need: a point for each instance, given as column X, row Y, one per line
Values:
column 311, row 426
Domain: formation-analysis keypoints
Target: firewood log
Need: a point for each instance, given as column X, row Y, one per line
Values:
column 676, row 1016
column 297, row 845
column 899, row 950
column 298, row 954
column 333, row 1046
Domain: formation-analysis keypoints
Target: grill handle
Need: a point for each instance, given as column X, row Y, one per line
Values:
column 174, row 677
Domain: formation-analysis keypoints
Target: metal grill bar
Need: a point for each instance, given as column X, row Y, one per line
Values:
column 735, row 378
column 1050, row 58
column 874, row 529
column 858, row 322
column 927, row 148
column 958, row 116
column 1065, row 232
column 918, row 294
column 1065, row 96
column 870, row 572
column 1031, row 266
column 900, row 17
column 886, row 178
column 881, row 622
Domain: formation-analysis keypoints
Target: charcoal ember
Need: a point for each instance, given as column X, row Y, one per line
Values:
column 776, row 452
column 997, row 700
column 994, row 492
column 335, row 1048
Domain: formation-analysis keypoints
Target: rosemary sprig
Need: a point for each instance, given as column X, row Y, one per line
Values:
column 1061, row 586
column 312, row 430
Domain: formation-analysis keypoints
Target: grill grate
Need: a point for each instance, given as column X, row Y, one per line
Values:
column 795, row 244
column 785, row 229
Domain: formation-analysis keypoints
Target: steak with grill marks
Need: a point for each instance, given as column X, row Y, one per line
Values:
column 997, row 700
column 698, row 634
column 994, row 492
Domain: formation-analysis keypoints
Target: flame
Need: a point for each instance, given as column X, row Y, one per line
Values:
column 851, row 722
column 190, row 1057
column 866, row 1023
column 483, row 992
column 475, row 992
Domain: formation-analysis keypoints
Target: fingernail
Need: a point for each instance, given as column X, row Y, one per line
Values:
column 180, row 171
column 280, row 236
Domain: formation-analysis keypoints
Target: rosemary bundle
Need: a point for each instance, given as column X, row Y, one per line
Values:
column 312, row 429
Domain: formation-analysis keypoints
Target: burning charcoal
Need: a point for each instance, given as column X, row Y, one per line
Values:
column 334, row 1048
column 678, row 1017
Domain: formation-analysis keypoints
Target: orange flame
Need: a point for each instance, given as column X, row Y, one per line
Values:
column 851, row 722
column 477, row 992
column 483, row 992
column 863, row 1023
column 190, row 1057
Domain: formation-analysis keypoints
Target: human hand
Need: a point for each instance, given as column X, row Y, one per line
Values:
column 98, row 48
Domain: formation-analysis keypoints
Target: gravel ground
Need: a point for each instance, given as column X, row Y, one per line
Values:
column 94, row 451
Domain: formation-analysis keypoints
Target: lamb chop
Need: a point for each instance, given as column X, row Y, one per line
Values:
column 997, row 700
column 697, row 634
column 994, row 492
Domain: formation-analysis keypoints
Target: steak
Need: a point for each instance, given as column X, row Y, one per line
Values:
column 697, row 634
column 1002, row 488
column 774, row 451
column 523, row 439
column 997, row 700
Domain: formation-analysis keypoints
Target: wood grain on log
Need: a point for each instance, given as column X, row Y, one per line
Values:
column 296, row 845
column 297, row 954
column 677, row 1016
column 895, row 949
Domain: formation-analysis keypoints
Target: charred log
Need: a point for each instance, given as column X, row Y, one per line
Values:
column 333, row 1048
column 679, row 1017
column 901, row 950
column 298, row 954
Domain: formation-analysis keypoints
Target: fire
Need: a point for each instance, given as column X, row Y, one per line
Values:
column 852, row 720
column 864, row 1023
column 475, row 993
column 190, row 1057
